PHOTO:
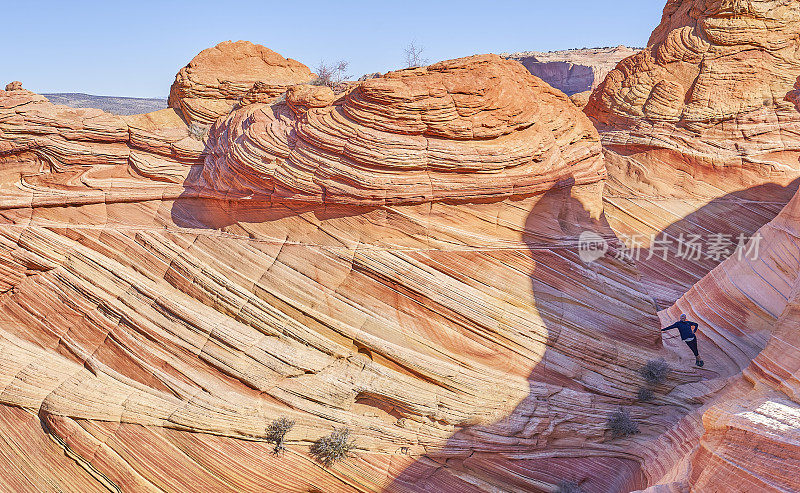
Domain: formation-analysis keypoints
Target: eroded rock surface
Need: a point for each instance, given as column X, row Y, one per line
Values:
column 217, row 78
column 701, row 111
column 473, row 128
column 403, row 259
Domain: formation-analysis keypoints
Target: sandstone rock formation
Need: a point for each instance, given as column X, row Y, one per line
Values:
column 473, row 128
column 746, row 308
column 406, row 259
column 149, row 305
column 701, row 111
column 572, row 71
column 217, row 78
column 58, row 137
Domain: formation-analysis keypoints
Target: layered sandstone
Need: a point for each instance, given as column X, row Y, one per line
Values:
column 402, row 259
column 747, row 311
column 219, row 77
column 474, row 128
column 701, row 111
column 153, row 329
column 572, row 71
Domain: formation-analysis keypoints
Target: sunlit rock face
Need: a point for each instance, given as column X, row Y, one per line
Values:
column 747, row 311
column 219, row 77
column 705, row 100
column 473, row 128
column 159, row 308
column 406, row 259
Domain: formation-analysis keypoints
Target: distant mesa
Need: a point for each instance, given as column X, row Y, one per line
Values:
column 111, row 104
column 572, row 71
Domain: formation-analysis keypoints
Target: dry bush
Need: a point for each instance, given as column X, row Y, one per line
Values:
column 276, row 433
column 568, row 487
column 333, row 448
column 331, row 75
column 621, row 424
column 413, row 55
column 655, row 371
column 645, row 394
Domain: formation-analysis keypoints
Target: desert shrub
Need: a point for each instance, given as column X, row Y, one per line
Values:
column 198, row 131
column 655, row 371
column 276, row 433
column 413, row 55
column 645, row 394
column 621, row 424
column 568, row 487
column 333, row 448
column 331, row 75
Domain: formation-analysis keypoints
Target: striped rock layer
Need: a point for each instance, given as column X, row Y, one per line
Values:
column 154, row 319
column 701, row 111
column 405, row 260
column 473, row 128
column 218, row 78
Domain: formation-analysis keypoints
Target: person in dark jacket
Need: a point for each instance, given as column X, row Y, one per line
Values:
column 687, row 330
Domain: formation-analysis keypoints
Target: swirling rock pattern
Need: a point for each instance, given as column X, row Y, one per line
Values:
column 747, row 310
column 701, row 111
column 473, row 128
column 403, row 259
column 154, row 327
column 219, row 77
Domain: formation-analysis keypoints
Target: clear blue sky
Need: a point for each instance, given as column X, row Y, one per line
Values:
column 134, row 48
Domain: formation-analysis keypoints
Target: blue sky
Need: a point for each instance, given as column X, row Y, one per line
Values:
column 134, row 48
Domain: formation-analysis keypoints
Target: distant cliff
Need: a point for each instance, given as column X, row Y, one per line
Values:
column 572, row 71
column 110, row 104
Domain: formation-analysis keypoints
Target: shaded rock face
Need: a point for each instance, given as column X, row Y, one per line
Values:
column 473, row 128
column 217, row 78
column 706, row 100
column 572, row 71
column 747, row 309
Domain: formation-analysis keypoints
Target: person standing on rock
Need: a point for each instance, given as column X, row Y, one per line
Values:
column 687, row 330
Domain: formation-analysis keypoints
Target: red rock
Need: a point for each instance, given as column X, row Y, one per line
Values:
column 217, row 78
column 701, row 111
column 473, row 128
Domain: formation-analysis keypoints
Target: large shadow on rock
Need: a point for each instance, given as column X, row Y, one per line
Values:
column 734, row 214
column 602, row 325
column 556, row 434
column 600, row 320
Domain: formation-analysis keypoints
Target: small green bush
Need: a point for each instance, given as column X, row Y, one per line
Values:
column 276, row 433
column 645, row 394
column 333, row 448
column 621, row 424
column 655, row 371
